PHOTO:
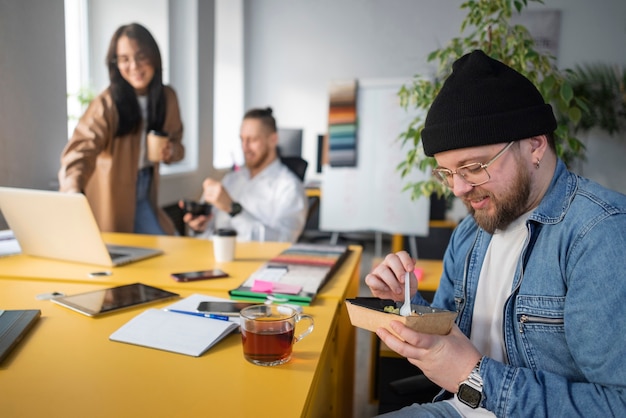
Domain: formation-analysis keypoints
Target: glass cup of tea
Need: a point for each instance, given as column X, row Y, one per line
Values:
column 267, row 333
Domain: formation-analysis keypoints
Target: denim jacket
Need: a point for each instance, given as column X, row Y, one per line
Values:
column 563, row 324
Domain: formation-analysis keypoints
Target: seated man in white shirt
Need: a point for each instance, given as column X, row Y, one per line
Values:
column 262, row 201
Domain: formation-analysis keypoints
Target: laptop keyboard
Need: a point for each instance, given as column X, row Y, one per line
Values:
column 115, row 256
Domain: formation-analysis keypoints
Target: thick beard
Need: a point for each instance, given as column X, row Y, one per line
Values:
column 259, row 162
column 508, row 207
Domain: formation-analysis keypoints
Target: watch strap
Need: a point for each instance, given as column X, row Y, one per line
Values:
column 471, row 389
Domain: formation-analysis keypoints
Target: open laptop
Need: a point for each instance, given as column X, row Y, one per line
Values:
column 61, row 226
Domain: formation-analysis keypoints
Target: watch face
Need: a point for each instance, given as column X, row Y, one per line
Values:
column 469, row 396
column 235, row 209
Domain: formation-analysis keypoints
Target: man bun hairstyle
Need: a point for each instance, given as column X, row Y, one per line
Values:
column 484, row 102
column 264, row 115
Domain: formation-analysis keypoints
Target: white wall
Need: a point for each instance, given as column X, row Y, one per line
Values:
column 294, row 48
column 32, row 92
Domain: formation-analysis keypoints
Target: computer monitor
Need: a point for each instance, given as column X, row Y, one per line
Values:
column 290, row 142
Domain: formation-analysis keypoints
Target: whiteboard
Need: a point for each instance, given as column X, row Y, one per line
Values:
column 369, row 197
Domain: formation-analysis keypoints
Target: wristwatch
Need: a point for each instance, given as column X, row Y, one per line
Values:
column 471, row 389
column 235, row 209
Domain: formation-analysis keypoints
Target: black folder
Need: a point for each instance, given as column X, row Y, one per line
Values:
column 14, row 325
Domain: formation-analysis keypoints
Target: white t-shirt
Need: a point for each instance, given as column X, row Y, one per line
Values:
column 494, row 287
column 274, row 205
column 143, row 107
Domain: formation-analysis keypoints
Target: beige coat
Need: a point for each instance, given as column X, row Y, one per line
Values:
column 105, row 167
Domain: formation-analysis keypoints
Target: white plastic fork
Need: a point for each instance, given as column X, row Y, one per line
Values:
column 405, row 310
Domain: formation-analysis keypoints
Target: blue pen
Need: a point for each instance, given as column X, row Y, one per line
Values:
column 205, row 315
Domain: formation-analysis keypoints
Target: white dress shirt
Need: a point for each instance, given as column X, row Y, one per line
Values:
column 274, row 205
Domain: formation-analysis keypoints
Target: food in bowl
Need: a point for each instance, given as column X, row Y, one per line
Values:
column 374, row 313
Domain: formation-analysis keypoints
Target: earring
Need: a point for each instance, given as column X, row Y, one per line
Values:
column 537, row 164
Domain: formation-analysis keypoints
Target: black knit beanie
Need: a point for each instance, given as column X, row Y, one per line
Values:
column 484, row 102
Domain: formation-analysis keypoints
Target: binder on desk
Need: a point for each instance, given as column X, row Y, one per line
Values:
column 295, row 276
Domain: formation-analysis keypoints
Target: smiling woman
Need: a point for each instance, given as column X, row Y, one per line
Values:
column 174, row 25
column 134, row 65
column 107, row 156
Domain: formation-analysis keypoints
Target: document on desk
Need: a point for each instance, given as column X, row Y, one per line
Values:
column 175, row 332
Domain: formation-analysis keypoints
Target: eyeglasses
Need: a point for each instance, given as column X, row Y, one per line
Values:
column 473, row 174
column 124, row 61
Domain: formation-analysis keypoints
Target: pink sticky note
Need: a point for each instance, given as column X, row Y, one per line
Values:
column 287, row 289
column 262, row 286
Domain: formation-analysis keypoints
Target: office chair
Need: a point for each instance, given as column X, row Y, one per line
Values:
column 176, row 215
column 296, row 164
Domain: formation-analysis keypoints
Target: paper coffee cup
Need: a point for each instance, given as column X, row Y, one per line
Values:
column 155, row 143
column 224, row 243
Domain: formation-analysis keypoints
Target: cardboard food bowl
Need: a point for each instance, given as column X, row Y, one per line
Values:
column 367, row 313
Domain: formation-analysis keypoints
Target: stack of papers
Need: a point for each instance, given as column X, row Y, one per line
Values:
column 175, row 332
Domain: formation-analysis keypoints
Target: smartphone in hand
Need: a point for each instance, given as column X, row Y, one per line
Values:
column 190, row 276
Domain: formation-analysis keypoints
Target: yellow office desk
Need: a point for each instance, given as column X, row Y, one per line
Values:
column 181, row 254
column 67, row 366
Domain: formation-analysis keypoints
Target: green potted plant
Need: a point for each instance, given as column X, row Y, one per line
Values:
column 83, row 97
column 488, row 23
column 602, row 87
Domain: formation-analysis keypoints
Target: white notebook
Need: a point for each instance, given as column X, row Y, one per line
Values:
column 175, row 332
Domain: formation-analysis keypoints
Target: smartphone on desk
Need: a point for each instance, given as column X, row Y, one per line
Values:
column 190, row 276
column 223, row 307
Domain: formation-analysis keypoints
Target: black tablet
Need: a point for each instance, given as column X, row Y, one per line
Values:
column 103, row 301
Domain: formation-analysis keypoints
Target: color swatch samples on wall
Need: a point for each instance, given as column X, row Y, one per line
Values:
column 342, row 124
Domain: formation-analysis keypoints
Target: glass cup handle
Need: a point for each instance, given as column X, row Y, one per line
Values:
column 309, row 318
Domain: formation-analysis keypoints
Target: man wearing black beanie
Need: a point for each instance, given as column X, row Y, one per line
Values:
column 536, row 273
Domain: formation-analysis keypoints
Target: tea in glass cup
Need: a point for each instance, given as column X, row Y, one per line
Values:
column 267, row 333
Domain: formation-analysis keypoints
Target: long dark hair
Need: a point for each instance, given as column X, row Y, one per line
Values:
column 124, row 94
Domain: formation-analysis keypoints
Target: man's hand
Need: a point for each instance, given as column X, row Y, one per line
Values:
column 196, row 223
column 215, row 194
column 447, row 360
column 386, row 281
